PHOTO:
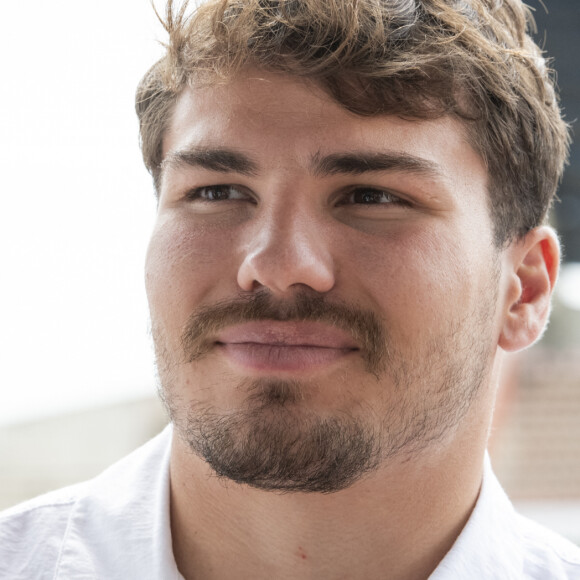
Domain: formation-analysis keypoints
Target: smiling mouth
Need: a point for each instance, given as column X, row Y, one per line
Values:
column 284, row 346
column 275, row 357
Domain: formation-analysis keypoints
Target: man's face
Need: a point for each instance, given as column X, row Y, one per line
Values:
column 323, row 286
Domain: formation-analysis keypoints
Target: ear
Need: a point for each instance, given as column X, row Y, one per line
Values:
column 534, row 263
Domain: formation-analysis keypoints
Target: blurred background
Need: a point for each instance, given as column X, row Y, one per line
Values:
column 77, row 386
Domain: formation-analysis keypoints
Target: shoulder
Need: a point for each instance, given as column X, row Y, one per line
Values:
column 70, row 532
column 32, row 533
column 547, row 554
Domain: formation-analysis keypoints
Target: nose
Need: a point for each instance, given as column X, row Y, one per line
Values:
column 289, row 251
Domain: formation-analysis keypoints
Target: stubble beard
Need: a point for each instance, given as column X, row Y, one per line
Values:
column 276, row 442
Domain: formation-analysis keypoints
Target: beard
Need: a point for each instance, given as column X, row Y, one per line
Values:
column 274, row 445
column 275, row 441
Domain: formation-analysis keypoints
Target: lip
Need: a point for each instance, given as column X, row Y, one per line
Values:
column 284, row 346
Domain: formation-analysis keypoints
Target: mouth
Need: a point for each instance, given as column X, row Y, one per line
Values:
column 274, row 346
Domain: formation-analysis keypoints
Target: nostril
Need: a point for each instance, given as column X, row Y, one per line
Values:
column 279, row 269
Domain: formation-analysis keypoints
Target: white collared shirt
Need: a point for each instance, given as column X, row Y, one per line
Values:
column 116, row 527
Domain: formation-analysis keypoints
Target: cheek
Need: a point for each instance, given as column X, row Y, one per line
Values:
column 184, row 266
column 417, row 277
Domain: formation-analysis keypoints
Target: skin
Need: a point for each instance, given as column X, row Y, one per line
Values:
column 419, row 255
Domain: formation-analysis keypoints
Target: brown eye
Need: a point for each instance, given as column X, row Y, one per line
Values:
column 212, row 193
column 370, row 196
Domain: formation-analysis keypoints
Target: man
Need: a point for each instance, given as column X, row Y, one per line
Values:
column 351, row 198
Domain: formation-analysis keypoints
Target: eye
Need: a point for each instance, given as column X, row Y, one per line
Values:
column 213, row 193
column 372, row 196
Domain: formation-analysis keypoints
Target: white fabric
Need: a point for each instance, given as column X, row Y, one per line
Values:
column 116, row 527
column 499, row 543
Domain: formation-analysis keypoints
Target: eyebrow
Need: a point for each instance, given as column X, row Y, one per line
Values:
column 225, row 160
column 214, row 159
column 363, row 162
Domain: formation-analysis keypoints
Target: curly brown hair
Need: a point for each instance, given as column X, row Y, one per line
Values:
column 418, row 59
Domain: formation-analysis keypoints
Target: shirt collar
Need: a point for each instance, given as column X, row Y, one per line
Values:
column 120, row 528
column 490, row 543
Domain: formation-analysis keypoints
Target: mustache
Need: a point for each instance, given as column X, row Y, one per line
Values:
column 363, row 325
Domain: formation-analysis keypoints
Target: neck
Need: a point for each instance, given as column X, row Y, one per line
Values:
column 402, row 519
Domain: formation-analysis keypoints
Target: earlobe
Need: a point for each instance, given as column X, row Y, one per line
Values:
column 534, row 262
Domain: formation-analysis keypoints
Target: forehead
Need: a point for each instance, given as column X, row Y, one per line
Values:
column 276, row 105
